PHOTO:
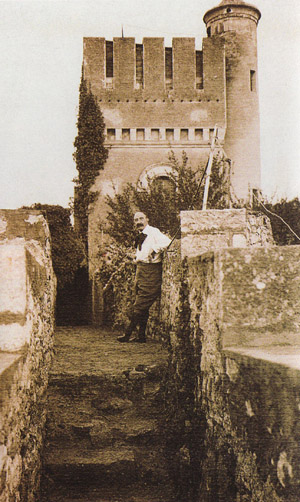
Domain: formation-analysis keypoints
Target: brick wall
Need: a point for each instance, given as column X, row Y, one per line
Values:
column 26, row 337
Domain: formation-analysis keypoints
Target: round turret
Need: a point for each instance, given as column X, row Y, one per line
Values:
column 231, row 15
column 236, row 22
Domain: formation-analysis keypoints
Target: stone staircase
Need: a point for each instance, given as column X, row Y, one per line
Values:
column 105, row 409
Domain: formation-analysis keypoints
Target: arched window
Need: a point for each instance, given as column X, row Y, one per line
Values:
column 159, row 173
column 165, row 183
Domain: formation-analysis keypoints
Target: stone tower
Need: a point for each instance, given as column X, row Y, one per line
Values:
column 236, row 22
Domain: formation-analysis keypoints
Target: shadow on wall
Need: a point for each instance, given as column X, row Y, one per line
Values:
column 73, row 305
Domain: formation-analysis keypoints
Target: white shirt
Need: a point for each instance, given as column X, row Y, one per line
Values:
column 152, row 246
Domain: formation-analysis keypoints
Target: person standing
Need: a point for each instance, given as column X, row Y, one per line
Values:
column 149, row 243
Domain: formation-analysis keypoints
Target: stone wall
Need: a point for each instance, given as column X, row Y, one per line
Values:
column 233, row 323
column 26, row 337
column 203, row 231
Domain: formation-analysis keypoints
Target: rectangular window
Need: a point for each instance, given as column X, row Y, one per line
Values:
column 111, row 134
column 208, row 31
column 126, row 134
column 199, row 134
column 252, row 81
column 140, row 134
column 109, row 59
column 170, row 134
column 199, row 70
column 169, row 67
column 211, row 134
column 155, row 134
column 139, row 69
column 184, row 134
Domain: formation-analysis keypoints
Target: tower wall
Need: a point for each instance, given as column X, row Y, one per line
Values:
column 236, row 23
column 146, row 120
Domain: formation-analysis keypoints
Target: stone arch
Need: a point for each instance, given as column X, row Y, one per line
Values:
column 153, row 171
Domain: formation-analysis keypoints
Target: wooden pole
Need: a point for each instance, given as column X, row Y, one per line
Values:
column 209, row 166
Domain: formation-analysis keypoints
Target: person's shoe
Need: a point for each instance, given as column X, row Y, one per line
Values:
column 124, row 338
column 139, row 340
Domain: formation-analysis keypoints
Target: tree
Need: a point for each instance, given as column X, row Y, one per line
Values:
column 67, row 252
column 69, row 264
column 162, row 203
column 289, row 211
column 90, row 155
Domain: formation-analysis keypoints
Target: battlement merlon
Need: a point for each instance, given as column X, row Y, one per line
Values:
column 151, row 70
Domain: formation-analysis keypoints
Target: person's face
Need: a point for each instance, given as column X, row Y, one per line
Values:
column 140, row 221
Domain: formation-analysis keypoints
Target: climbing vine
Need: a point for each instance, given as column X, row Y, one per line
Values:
column 90, row 155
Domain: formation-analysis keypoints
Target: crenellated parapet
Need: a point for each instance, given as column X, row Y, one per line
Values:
column 124, row 69
column 152, row 93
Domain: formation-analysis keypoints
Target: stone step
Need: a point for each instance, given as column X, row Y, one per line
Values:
column 100, row 432
column 103, row 439
column 85, row 399
column 73, row 466
column 97, row 389
column 119, row 464
column 137, row 492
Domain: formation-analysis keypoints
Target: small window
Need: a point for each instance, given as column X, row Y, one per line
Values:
column 140, row 134
column 155, row 134
column 139, row 75
column 111, row 134
column 169, row 67
column 252, row 81
column 208, row 31
column 199, row 134
column 170, row 134
column 184, row 134
column 126, row 134
column 109, row 59
column 199, row 70
column 211, row 134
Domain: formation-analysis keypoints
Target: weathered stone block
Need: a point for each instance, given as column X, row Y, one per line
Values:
column 260, row 295
column 13, row 280
column 213, row 229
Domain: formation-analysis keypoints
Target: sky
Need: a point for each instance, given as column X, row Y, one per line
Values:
column 41, row 57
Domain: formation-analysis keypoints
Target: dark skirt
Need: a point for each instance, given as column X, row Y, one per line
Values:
column 148, row 285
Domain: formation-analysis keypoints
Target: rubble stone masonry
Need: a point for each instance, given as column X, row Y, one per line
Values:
column 237, row 350
column 27, row 295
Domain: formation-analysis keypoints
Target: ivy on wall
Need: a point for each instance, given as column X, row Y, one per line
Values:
column 90, row 156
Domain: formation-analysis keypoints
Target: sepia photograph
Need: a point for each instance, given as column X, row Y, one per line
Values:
column 149, row 251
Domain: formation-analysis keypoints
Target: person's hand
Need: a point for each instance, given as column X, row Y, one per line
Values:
column 152, row 254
